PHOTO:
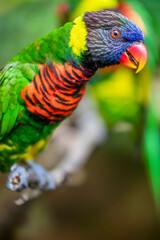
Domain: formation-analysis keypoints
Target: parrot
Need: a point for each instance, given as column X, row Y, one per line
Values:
column 43, row 84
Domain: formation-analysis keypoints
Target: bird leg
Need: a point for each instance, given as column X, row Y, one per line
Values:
column 33, row 175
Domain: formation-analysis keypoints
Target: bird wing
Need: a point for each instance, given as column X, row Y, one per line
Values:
column 13, row 78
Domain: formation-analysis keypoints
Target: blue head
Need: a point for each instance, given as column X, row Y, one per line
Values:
column 110, row 35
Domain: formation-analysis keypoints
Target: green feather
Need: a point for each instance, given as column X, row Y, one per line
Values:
column 14, row 113
column 4, row 122
column 5, row 103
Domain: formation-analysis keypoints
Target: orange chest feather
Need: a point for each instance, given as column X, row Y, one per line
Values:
column 55, row 91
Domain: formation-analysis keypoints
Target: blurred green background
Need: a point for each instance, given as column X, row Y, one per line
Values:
column 116, row 201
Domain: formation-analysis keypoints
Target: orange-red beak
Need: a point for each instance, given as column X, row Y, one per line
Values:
column 135, row 57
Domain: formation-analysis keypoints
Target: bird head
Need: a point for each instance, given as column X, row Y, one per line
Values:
column 110, row 39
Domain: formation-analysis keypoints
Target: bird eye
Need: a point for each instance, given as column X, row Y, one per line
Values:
column 115, row 34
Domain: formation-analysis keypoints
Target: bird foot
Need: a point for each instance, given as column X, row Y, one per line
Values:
column 33, row 176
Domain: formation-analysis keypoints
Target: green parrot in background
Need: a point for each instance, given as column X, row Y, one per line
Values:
column 43, row 84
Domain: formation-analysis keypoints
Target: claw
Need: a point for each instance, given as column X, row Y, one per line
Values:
column 17, row 179
column 34, row 177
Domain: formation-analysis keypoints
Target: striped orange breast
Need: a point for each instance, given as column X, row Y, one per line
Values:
column 55, row 91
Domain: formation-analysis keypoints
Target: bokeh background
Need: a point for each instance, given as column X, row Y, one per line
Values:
column 118, row 198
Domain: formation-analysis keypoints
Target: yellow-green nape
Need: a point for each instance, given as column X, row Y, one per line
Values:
column 78, row 36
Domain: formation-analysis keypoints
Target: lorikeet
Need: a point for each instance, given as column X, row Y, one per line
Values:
column 43, row 84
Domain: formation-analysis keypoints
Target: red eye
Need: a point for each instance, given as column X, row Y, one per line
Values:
column 115, row 34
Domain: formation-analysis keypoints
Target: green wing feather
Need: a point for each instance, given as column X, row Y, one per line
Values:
column 13, row 78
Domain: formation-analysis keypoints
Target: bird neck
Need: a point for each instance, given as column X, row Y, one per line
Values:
column 78, row 36
column 78, row 44
column 72, row 48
